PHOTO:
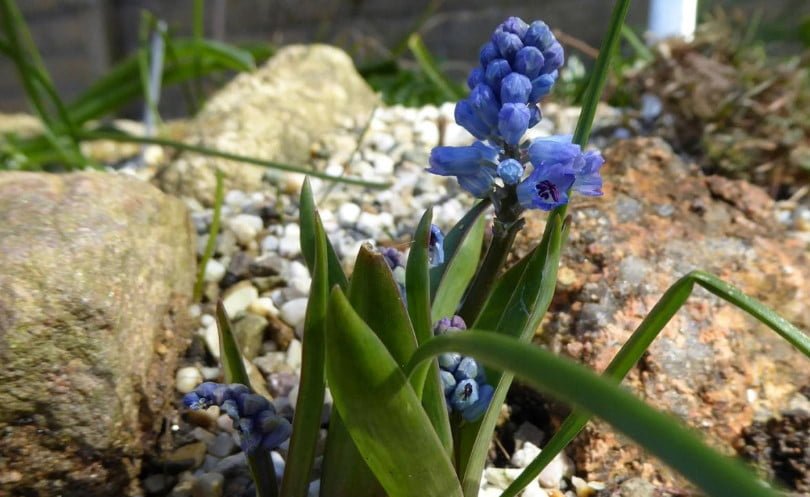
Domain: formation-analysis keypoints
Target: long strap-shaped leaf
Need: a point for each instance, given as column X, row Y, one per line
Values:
column 580, row 387
column 381, row 411
column 375, row 297
column 640, row 340
column 306, row 216
column 462, row 251
column 309, row 407
column 417, row 289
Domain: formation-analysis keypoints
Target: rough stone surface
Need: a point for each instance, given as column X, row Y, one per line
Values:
column 95, row 281
column 276, row 113
column 712, row 366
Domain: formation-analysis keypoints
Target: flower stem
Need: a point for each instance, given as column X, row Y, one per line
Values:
column 503, row 236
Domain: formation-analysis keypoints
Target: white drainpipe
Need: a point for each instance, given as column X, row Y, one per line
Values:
column 672, row 18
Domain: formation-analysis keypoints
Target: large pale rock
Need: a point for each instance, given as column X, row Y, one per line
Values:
column 713, row 366
column 96, row 274
column 299, row 97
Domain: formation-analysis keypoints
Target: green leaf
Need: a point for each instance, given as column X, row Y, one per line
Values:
column 417, row 280
column 229, row 352
column 375, row 296
column 763, row 313
column 596, row 82
column 189, row 60
column 260, row 464
column 345, row 472
column 462, row 249
column 519, row 318
column 577, row 386
column 639, row 342
column 307, row 213
column 211, row 243
column 417, row 289
column 309, row 408
column 502, row 292
column 453, row 239
column 127, row 138
column 381, row 411
column 428, row 65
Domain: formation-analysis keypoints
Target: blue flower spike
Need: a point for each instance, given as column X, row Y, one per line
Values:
column 254, row 416
column 463, row 379
column 518, row 66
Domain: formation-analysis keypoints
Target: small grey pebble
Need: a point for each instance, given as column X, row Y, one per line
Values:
column 208, row 485
column 231, row 465
column 222, row 445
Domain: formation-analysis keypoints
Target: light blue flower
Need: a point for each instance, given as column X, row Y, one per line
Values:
column 464, row 395
column 586, row 168
column 473, row 166
column 553, row 149
column 546, row 187
column 467, row 369
column 513, row 121
column 510, row 171
column 479, row 407
column 515, row 89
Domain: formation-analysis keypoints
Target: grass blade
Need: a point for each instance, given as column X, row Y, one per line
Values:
column 431, row 69
column 210, row 152
column 758, row 310
column 576, row 385
column 211, row 243
column 640, row 340
column 381, row 410
column 600, row 71
column 307, row 220
column 309, row 408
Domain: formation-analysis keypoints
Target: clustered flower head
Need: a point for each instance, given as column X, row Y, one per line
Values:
column 519, row 66
column 465, row 388
column 259, row 426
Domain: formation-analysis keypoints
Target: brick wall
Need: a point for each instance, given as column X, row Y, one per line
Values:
column 80, row 39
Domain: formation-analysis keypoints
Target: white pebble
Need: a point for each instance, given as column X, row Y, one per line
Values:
column 187, row 379
column 294, row 311
column 210, row 336
column 534, row 490
column 235, row 198
column 383, row 164
column 559, row 467
column 296, row 270
column 278, row 464
column 207, row 320
column 369, row 223
column 214, row 271
column 210, row 373
column 245, row 227
column 301, row 284
column 239, row 297
column 289, row 247
column 348, row 213
column 263, row 306
column 525, row 455
column 269, row 244
column 294, row 353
